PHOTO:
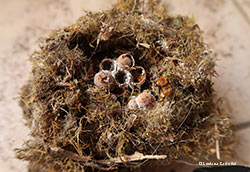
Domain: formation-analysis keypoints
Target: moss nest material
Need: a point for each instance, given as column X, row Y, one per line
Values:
column 121, row 87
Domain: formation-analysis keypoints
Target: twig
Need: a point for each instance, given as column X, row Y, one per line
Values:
column 73, row 156
column 88, row 161
column 137, row 156
column 217, row 141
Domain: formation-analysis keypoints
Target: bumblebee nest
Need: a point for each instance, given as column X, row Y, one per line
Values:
column 119, row 87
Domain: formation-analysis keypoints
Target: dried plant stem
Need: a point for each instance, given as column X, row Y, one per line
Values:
column 137, row 156
column 217, row 141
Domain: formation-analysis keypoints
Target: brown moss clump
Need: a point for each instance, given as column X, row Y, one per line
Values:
column 76, row 125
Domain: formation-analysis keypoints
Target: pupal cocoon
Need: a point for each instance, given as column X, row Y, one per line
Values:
column 107, row 64
column 139, row 76
column 143, row 100
column 125, row 61
column 104, row 79
column 132, row 104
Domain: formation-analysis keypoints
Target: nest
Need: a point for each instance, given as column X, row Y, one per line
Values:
column 121, row 87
